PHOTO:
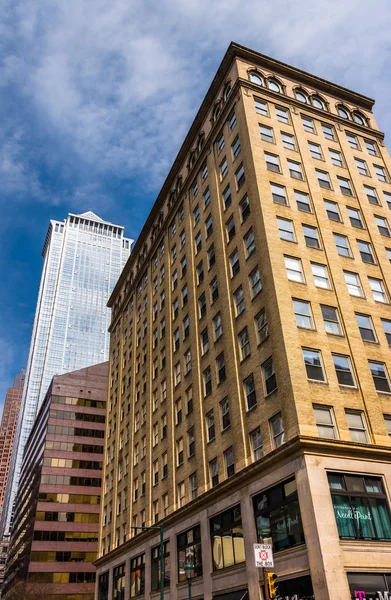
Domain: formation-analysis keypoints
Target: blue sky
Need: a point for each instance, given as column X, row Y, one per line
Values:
column 97, row 95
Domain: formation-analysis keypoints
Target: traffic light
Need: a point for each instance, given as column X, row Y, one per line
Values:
column 272, row 584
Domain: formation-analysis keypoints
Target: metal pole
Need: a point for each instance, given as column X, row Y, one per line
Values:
column 266, row 584
column 162, row 574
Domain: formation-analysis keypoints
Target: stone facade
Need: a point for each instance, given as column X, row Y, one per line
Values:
column 250, row 341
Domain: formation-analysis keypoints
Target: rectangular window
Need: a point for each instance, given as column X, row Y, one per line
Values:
column 155, row 566
column 277, row 432
column 353, row 141
column 240, row 177
column 354, row 284
column 191, row 442
column 220, row 142
column 382, row 225
column 269, row 376
column 331, row 320
column 208, row 226
column 366, row 252
column 371, row 147
column 380, row 376
column 294, row 269
column 360, row 506
column 328, row 131
column 277, row 516
column 227, row 197
column 244, row 207
column 217, row 326
column 387, row 197
column 387, row 420
column 179, row 452
column 336, row 157
column 210, row 425
column 366, row 328
column 355, row 217
column 225, row 416
column 137, row 576
column 214, row 472
column 361, row 166
column 244, row 344
column 378, row 290
column 286, row 230
column 266, row 133
column 308, row 124
column 303, row 201
column 256, row 443
column 202, row 305
column 315, row 150
column 295, row 169
column 311, row 236
column 261, row 326
column 371, row 193
column 380, row 173
column 357, row 426
column 325, row 422
column 226, row 534
column 220, row 367
column 261, row 107
column 230, row 228
column 249, row 243
column 229, row 460
column 207, row 377
column 235, row 147
column 323, row 179
column 279, row 194
column 205, row 341
column 223, row 168
column 250, row 393
column 282, row 114
column 232, row 121
column 193, row 486
column 255, row 282
column 303, row 314
column 214, row 289
column 332, row 211
column 288, row 141
column 313, row 365
column 342, row 244
column 343, row 370
column 387, row 330
column 272, row 162
column 345, row 186
column 234, row 263
column 189, row 548
column 206, row 197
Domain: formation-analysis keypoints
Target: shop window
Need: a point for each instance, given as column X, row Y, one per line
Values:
column 119, row 582
column 277, row 516
column 226, row 534
column 155, row 566
column 137, row 576
column 360, row 507
column 189, row 552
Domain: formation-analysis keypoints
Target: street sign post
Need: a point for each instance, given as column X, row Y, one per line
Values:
column 263, row 554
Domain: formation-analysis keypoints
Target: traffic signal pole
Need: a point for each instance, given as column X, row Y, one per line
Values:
column 266, row 584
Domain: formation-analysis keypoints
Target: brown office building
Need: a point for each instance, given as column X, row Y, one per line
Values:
column 54, row 538
column 9, row 421
column 250, row 361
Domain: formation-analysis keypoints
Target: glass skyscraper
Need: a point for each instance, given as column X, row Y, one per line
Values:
column 83, row 258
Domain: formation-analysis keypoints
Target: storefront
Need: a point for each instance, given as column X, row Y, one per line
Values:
column 369, row 586
column 298, row 588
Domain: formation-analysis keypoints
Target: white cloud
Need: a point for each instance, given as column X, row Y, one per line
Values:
column 113, row 85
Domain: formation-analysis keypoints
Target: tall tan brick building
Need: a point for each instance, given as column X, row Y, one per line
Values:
column 250, row 398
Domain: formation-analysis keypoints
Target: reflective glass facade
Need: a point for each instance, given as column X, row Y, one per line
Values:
column 82, row 260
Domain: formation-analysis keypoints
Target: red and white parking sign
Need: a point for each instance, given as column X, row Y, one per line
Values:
column 263, row 556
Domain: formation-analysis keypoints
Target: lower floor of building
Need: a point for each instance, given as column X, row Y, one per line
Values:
column 325, row 512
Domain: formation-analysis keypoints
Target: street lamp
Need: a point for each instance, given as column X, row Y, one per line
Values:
column 159, row 528
column 189, row 571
